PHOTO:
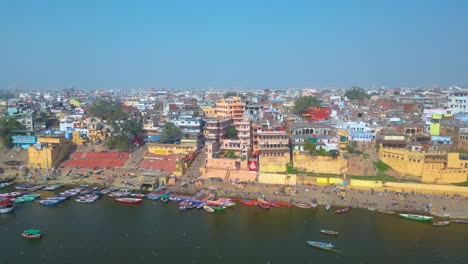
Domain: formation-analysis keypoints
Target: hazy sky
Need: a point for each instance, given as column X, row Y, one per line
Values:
column 248, row 44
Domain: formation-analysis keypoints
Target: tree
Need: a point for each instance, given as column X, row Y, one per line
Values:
column 231, row 133
column 309, row 146
column 130, row 127
column 171, row 133
column 303, row 103
column 356, row 93
column 7, row 126
column 231, row 94
column 107, row 110
column 230, row 154
column 119, row 142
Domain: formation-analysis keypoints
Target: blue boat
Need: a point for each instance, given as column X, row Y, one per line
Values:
column 320, row 245
column 153, row 196
column 49, row 202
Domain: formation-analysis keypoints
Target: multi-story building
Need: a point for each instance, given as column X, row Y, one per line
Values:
column 244, row 134
column 216, row 129
column 189, row 126
column 231, row 108
column 274, row 151
column 458, row 101
column 66, row 124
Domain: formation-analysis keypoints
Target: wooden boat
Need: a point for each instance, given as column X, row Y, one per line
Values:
column 138, row 195
column 329, row 232
column 208, row 209
column 460, row 221
column 320, row 245
column 386, row 212
column 441, row 223
column 219, row 208
column 32, row 234
column 420, row 218
column 372, row 209
column 129, row 200
column 302, row 205
column 48, row 202
column 6, row 206
column 327, row 207
column 229, row 204
column 342, row 210
column 264, row 205
column 200, row 206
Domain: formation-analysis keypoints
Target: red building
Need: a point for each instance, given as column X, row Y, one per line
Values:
column 317, row 113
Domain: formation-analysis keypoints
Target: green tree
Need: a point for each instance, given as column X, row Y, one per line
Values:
column 230, row 154
column 170, row 133
column 119, row 142
column 356, row 93
column 231, row 133
column 130, row 127
column 309, row 146
column 107, row 110
column 7, row 126
column 231, row 94
column 303, row 103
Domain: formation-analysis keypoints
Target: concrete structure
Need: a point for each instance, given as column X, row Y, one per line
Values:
column 216, row 129
column 189, row 126
column 165, row 149
column 49, row 151
column 431, row 166
column 274, row 151
column 458, row 101
column 231, row 108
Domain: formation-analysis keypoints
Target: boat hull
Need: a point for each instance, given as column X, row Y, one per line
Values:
column 418, row 218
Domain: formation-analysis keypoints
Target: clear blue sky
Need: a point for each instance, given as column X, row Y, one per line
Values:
column 249, row 44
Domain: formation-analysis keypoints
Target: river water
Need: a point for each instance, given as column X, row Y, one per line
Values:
column 152, row 232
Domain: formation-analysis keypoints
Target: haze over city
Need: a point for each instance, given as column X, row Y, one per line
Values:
column 236, row 44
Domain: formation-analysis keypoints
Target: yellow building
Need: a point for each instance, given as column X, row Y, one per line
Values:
column 75, row 102
column 303, row 161
column 208, row 111
column 165, row 149
column 274, row 151
column 49, row 151
column 431, row 166
column 232, row 108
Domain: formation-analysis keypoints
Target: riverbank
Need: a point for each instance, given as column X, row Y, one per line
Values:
column 439, row 204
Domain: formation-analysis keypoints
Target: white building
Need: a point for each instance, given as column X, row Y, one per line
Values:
column 458, row 101
column 66, row 124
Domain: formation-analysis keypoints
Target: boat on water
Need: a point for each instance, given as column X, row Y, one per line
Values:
column 89, row 198
column 165, row 198
column 327, row 207
column 32, row 234
column 208, row 209
column 229, row 204
column 53, row 187
column 26, row 198
column 420, row 218
column 329, row 232
column 49, row 202
column 320, row 245
column 200, row 205
column 460, row 221
column 6, row 206
column 386, row 212
column 129, row 200
column 138, row 195
column 219, row 208
column 372, row 209
column 441, row 223
column 302, row 205
column 264, row 205
column 342, row 210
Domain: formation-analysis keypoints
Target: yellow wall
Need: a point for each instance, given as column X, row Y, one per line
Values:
column 414, row 163
column 272, row 178
column 47, row 157
column 166, row 149
column 367, row 184
column 303, row 161
column 274, row 164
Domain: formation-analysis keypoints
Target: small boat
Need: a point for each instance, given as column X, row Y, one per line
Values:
column 302, row 205
column 441, row 223
column 342, row 210
column 420, row 218
column 138, row 195
column 313, row 205
column 321, row 245
column 6, row 206
column 48, row 202
column 200, row 206
column 129, row 200
column 460, row 221
column 329, row 232
column 32, row 234
column 208, row 209
column 219, row 208
column 264, row 205
column 386, row 212
column 229, row 204
column 372, row 209
column 327, row 207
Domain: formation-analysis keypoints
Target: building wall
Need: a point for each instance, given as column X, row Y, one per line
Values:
column 274, row 164
column 271, row 178
column 430, row 166
column 303, row 161
column 48, row 157
column 155, row 148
